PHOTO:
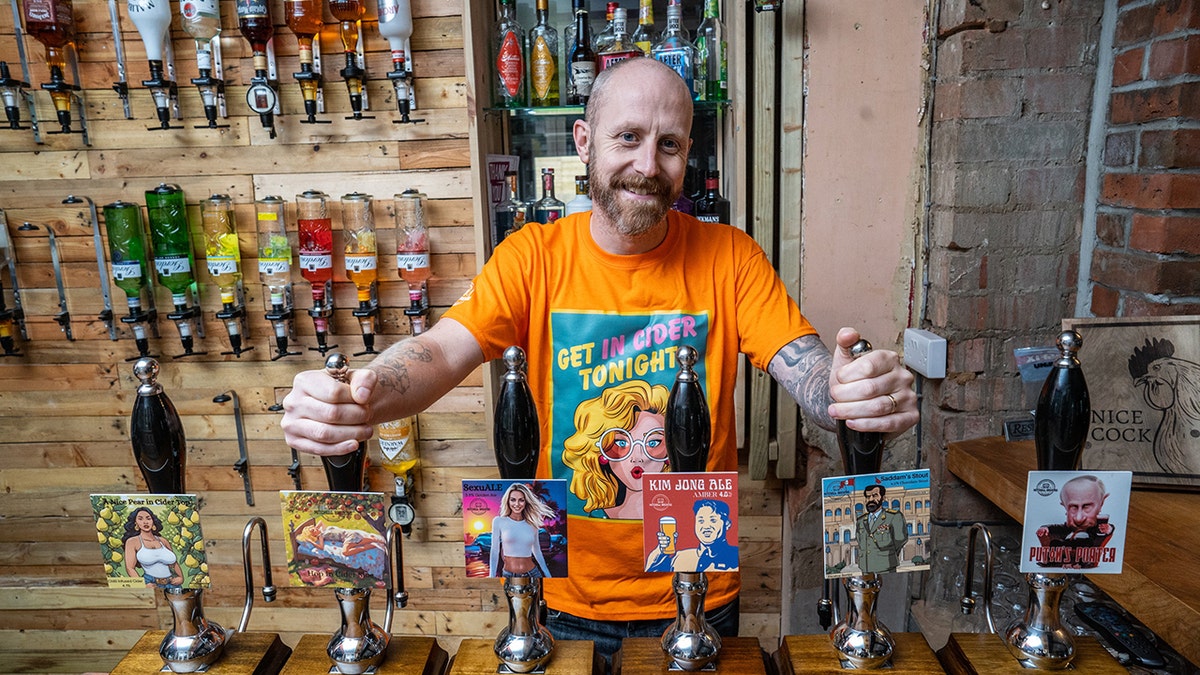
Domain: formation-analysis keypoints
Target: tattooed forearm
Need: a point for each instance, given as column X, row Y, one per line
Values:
column 393, row 368
column 802, row 368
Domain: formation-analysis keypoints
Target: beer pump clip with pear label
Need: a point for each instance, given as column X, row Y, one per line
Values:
column 169, row 548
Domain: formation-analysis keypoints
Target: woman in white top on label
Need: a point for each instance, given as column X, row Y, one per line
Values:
column 516, row 551
column 147, row 549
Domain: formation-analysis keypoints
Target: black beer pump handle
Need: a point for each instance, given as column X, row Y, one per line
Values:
column 1061, row 419
column 862, row 451
column 344, row 472
column 156, row 433
column 515, row 431
column 688, row 430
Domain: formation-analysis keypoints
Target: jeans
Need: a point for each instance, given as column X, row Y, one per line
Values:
column 607, row 635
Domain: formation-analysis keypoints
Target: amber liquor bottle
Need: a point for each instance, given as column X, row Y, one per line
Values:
column 304, row 19
column 543, row 59
column 52, row 22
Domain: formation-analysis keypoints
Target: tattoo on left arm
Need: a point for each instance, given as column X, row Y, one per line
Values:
column 802, row 368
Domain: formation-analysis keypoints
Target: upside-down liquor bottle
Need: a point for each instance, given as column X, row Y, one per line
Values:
column 224, row 258
column 201, row 19
column 254, row 22
column 412, row 254
column 361, row 252
column 275, row 269
column 349, row 13
column 316, row 258
column 52, row 22
column 174, row 260
column 304, row 20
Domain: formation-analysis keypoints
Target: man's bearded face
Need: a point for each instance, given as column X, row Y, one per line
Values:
column 630, row 218
column 874, row 500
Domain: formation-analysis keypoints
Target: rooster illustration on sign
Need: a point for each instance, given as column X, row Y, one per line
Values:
column 1171, row 385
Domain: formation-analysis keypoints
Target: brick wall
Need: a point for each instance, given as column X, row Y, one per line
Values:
column 1011, row 107
column 1146, row 260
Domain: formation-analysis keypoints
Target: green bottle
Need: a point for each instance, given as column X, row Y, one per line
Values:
column 130, row 270
column 173, row 258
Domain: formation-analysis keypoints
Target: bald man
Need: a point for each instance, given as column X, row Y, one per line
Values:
column 600, row 301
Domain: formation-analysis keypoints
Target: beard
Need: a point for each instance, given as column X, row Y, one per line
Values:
column 873, row 506
column 633, row 219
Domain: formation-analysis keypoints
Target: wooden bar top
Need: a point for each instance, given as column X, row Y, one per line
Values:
column 244, row 654
column 406, row 655
column 570, row 657
column 1160, row 581
column 815, row 655
column 986, row 654
column 645, row 656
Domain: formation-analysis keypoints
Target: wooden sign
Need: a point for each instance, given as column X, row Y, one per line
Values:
column 1143, row 379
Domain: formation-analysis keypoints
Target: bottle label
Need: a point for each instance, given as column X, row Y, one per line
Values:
column 542, row 68
column 548, row 216
column 316, row 261
column 194, row 9
column 252, row 8
column 613, row 58
column 411, row 261
column 394, row 439
column 204, row 58
column 218, row 266
column 274, row 266
column 708, row 218
column 168, row 265
column 582, row 74
column 360, row 263
column 680, row 61
column 126, row 270
column 40, row 10
column 388, row 10
column 510, row 64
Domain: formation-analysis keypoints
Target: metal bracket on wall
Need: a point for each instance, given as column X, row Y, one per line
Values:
column 107, row 315
column 242, row 466
column 63, row 318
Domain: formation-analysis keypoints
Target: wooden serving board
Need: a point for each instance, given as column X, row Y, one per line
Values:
column 815, row 655
column 986, row 654
column 570, row 657
column 245, row 654
column 645, row 656
column 406, row 655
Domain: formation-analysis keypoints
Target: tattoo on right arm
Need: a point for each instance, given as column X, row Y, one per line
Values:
column 393, row 367
column 802, row 367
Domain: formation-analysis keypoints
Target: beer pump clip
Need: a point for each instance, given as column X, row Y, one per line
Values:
column 121, row 86
column 15, row 316
column 153, row 22
column 859, row 637
column 524, row 645
column 360, row 644
column 690, row 642
column 98, row 243
column 395, row 24
column 160, row 449
column 1061, row 419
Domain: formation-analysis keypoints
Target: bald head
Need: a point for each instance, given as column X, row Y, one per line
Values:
column 638, row 76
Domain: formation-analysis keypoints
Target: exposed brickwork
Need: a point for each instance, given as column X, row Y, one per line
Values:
column 1147, row 262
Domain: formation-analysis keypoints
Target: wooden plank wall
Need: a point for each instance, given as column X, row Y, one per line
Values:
column 65, row 406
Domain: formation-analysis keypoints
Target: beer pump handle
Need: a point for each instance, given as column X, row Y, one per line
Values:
column 345, row 473
column 862, row 451
column 156, row 433
column 687, row 429
column 516, row 433
column 1060, row 423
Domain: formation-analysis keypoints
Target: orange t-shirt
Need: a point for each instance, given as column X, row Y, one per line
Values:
column 601, row 332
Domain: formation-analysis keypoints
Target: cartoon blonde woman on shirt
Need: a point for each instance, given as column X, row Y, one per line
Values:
column 146, row 548
column 619, row 438
column 516, row 550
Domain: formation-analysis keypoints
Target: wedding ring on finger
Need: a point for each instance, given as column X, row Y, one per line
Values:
column 893, row 400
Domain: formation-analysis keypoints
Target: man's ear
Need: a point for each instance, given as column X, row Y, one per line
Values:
column 581, row 132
